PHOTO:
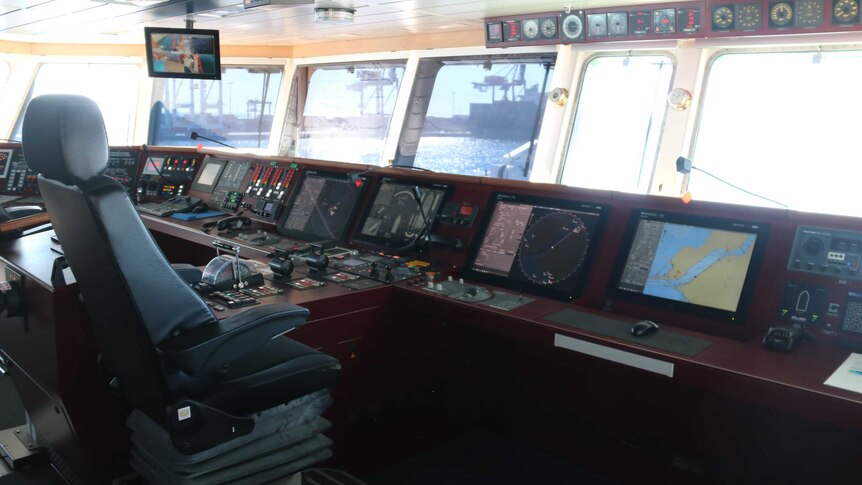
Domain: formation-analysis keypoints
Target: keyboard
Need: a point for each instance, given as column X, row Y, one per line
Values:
column 171, row 206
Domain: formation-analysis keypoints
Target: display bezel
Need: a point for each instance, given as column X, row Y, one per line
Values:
column 307, row 236
column 197, row 186
column 761, row 231
column 569, row 291
column 385, row 244
column 149, row 32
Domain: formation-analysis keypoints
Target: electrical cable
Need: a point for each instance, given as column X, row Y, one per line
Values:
column 740, row 188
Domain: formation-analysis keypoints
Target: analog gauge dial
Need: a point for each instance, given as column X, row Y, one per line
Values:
column 572, row 26
column 748, row 16
column 598, row 25
column 679, row 99
column 530, row 29
column 845, row 11
column 548, row 28
column 780, row 14
column 618, row 23
column 722, row 17
column 809, row 13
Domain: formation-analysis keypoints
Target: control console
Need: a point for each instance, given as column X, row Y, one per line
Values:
column 20, row 180
column 267, row 187
column 168, row 174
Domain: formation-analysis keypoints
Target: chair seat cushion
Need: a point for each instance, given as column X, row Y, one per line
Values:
column 284, row 370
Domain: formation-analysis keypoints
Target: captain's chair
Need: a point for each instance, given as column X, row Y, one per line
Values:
column 216, row 401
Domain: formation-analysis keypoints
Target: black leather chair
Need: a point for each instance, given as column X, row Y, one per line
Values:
column 216, row 401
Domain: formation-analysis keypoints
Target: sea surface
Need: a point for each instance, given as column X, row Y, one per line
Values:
column 445, row 154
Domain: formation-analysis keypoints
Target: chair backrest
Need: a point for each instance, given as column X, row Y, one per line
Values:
column 133, row 297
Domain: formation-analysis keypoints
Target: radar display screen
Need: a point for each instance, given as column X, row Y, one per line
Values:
column 393, row 221
column 538, row 244
column 704, row 266
column 322, row 207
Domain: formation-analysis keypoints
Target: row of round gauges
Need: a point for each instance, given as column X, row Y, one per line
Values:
column 782, row 14
column 575, row 26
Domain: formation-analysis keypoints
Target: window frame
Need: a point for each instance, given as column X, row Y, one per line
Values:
column 711, row 55
column 540, row 58
column 297, row 79
column 279, row 109
column 37, row 63
column 577, row 88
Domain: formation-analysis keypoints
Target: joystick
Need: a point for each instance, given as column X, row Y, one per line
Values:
column 281, row 264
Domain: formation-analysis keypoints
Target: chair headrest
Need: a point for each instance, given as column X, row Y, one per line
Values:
column 64, row 138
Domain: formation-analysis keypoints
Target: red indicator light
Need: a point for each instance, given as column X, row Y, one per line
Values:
column 359, row 182
column 200, row 145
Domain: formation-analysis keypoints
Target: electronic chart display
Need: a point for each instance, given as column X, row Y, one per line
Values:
column 541, row 245
column 322, row 207
column 704, row 266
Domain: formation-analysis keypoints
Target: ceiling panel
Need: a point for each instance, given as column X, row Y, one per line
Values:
column 93, row 21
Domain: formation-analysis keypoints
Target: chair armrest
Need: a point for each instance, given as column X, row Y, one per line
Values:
column 19, row 211
column 211, row 346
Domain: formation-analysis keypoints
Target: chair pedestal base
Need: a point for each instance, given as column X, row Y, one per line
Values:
column 18, row 448
column 286, row 439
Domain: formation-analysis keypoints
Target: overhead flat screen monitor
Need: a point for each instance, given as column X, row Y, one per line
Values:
column 698, row 265
column 393, row 220
column 539, row 245
column 322, row 207
column 182, row 53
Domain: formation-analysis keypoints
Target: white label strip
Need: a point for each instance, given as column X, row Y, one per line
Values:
column 614, row 355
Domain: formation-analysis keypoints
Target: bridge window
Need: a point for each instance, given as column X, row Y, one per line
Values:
column 114, row 88
column 482, row 118
column 620, row 111
column 4, row 72
column 782, row 125
column 237, row 110
column 346, row 112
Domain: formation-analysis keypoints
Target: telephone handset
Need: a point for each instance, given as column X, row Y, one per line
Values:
column 232, row 223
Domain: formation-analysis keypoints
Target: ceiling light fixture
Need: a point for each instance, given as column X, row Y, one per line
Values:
column 132, row 3
column 334, row 15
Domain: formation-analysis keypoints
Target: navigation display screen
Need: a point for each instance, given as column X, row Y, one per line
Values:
column 322, row 207
column 703, row 265
column 538, row 244
column 394, row 221
column 208, row 175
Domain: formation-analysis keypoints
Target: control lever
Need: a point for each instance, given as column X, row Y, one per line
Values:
column 237, row 274
column 317, row 258
column 281, row 264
